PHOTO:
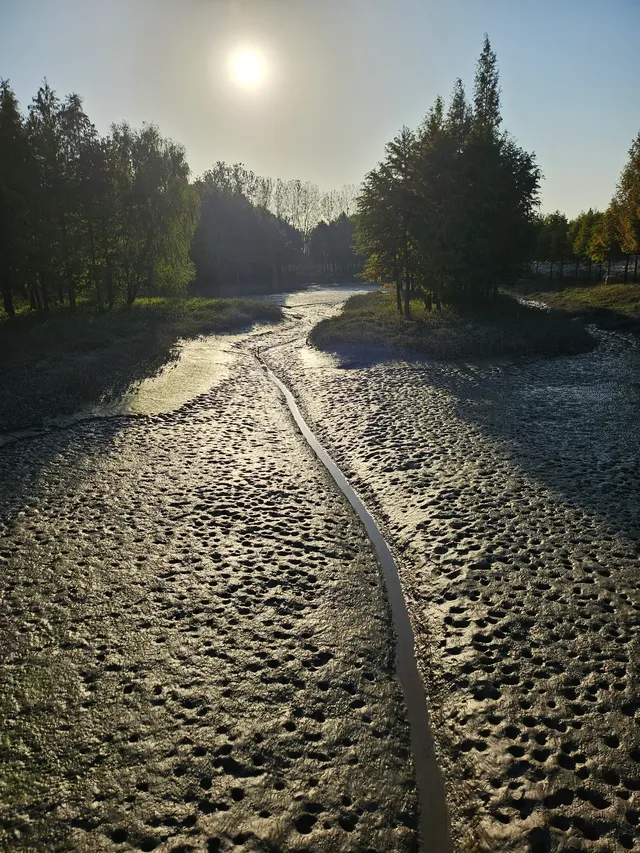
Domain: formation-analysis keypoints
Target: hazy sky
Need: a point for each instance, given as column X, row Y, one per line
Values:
column 343, row 77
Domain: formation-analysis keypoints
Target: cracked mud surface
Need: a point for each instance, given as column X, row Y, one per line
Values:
column 511, row 496
column 196, row 647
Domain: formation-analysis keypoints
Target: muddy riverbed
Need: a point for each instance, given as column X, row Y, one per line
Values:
column 197, row 649
column 510, row 495
column 196, row 645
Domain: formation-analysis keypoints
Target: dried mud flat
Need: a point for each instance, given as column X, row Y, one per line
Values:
column 511, row 497
column 196, row 646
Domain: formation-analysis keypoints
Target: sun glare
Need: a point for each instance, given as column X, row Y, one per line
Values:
column 248, row 69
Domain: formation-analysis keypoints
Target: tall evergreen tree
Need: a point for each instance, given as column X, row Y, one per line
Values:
column 385, row 213
column 457, row 220
column 486, row 92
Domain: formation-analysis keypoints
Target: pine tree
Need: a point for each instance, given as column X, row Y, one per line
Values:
column 385, row 213
column 486, row 93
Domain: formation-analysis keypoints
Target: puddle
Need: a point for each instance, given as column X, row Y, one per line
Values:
column 201, row 364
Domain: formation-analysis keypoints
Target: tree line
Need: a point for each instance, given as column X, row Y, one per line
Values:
column 450, row 213
column 82, row 214
column 265, row 234
column 596, row 237
column 108, row 218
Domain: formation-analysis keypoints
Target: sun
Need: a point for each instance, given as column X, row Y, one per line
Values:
column 248, row 69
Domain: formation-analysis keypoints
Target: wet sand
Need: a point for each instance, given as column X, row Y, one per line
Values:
column 197, row 652
column 510, row 496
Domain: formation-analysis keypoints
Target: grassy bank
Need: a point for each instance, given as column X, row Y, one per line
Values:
column 505, row 329
column 56, row 366
column 612, row 306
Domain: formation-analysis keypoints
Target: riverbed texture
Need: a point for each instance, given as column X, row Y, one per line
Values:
column 510, row 495
column 197, row 646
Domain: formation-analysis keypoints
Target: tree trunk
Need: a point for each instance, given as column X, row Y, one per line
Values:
column 635, row 269
column 95, row 277
column 551, row 270
column 33, row 300
column 44, row 294
column 577, row 269
column 589, row 270
column 537, row 265
column 561, row 269
column 626, row 268
column 398, row 296
column 110, row 288
column 407, row 299
column 7, row 301
column 131, row 293
column 60, row 295
column 608, row 267
column 428, row 301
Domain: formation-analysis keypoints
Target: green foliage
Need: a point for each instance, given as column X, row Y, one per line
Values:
column 238, row 240
column 627, row 201
column 554, row 240
column 15, row 165
column 581, row 231
column 449, row 212
column 595, row 236
column 258, row 234
column 331, row 246
column 82, row 215
column 604, row 244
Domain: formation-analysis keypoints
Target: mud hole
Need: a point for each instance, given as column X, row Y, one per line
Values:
column 196, row 646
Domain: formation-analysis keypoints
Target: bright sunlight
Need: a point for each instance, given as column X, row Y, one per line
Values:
column 248, row 69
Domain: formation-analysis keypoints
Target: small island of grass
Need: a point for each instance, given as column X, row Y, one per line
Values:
column 503, row 328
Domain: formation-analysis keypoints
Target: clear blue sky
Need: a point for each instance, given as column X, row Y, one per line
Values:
column 343, row 77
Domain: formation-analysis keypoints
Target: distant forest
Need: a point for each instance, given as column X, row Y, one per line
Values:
column 106, row 219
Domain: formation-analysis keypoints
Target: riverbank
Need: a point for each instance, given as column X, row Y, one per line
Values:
column 67, row 362
column 505, row 329
column 610, row 306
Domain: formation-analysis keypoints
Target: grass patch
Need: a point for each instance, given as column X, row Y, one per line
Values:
column 60, row 364
column 505, row 329
column 614, row 306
